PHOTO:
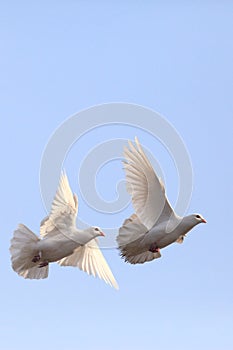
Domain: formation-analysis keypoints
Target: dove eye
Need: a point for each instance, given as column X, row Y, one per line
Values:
column 198, row 217
column 96, row 229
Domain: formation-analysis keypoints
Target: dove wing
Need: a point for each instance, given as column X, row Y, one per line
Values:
column 63, row 212
column 146, row 189
column 90, row 259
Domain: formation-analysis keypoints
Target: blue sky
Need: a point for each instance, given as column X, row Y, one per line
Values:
column 60, row 57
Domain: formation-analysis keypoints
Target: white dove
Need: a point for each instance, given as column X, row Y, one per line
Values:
column 60, row 241
column 154, row 225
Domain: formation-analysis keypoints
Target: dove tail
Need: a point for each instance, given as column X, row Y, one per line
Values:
column 130, row 235
column 23, row 249
column 141, row 258
column 131, row 230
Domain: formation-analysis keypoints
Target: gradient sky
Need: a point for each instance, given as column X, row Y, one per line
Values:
column 59, row 57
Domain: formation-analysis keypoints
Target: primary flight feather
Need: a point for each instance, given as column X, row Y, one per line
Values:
column 60, row 241
column 154, row 225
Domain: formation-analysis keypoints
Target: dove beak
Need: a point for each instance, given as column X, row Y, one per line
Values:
column 102, row 234
column 203, row 220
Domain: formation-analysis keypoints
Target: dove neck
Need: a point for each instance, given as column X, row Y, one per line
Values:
column 85, row 235
column 81, row 237
column 187, row 224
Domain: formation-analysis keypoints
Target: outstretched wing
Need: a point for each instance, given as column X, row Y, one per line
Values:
column 89, row 258
column 63, row 211
column 146, row 189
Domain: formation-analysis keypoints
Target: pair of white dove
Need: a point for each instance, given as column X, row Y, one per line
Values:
column 154, row 225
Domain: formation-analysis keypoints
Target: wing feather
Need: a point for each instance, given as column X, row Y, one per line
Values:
column 63, row 212
column 142, row 257
column 146, row 189
column 90, row 259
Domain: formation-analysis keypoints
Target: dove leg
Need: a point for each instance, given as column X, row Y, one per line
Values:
column 43, row 263
column 37, row 257
column 154, row 248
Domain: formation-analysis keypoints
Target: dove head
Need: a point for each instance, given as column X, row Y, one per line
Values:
column 196, row 219
column 188, row 222
column 95, row 231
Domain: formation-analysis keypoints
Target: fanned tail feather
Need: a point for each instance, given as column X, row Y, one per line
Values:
column 131, row 230
column 141, row 258
column 23, row 249
column 130, row 235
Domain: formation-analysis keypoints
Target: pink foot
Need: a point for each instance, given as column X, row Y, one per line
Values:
column 154, row 248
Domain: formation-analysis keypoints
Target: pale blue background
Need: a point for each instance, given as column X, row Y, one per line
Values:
column 58, row 57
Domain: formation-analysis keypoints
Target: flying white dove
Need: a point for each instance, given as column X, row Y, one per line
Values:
column 154, row 225
column 60, row 241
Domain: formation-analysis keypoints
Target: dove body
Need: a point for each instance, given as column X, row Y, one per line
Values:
column 60, row 241
column 154, row 225
column 62, row 245
column 163, row 235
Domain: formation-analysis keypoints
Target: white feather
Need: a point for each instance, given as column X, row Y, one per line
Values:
column 61, row 241
column 64, row 210
column 155, row 225
column 147, row 191
column 23, row 249
column 89, row 258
